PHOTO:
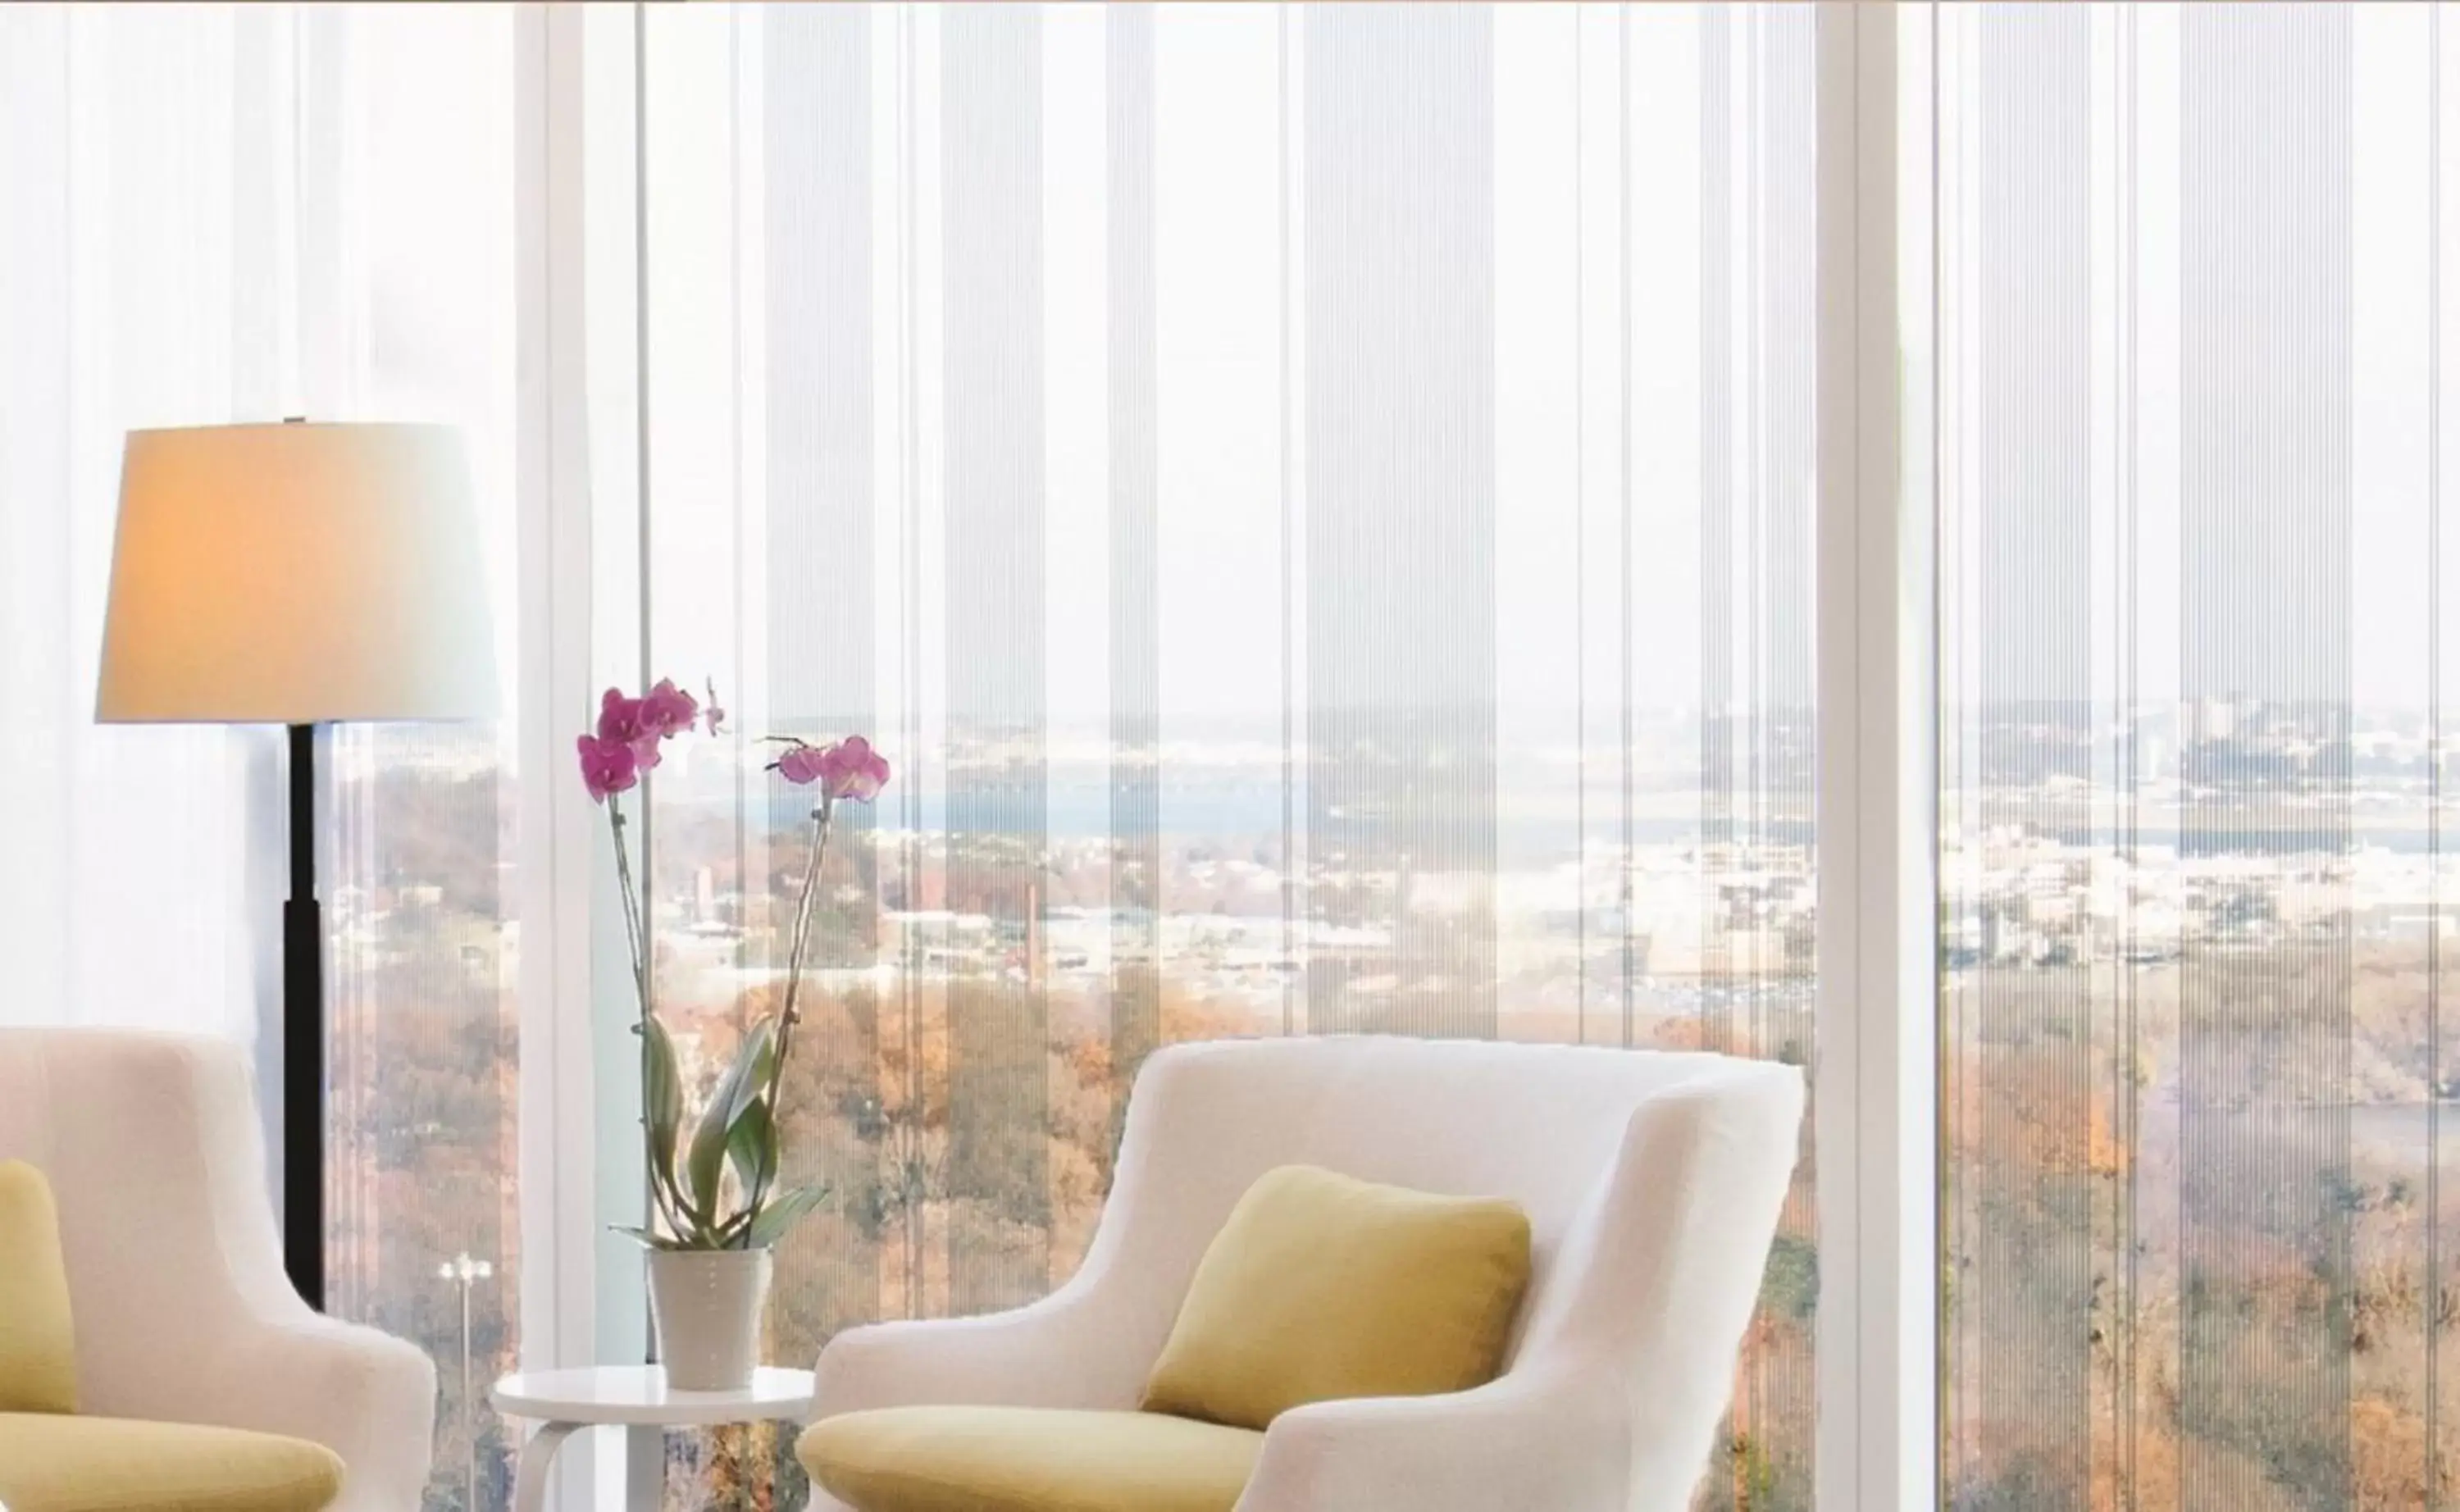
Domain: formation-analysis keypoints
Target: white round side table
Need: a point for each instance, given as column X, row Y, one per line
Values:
column 634, row 1396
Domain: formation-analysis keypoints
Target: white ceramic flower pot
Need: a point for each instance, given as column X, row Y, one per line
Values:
column 708, row 1306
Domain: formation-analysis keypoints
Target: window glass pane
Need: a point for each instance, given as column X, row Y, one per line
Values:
column 1317, row 505
column 420, row 954
column 2191, row 826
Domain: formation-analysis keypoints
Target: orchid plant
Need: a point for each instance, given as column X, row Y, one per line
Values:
column 713, row 1177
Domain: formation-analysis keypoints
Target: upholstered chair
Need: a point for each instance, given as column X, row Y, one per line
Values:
column 1652, row 1182
column 185, row 1327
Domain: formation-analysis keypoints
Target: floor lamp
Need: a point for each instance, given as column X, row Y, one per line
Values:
column 298, row 575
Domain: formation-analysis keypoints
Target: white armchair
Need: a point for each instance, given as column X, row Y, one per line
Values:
column 183, row 1311
column 1652, row 1182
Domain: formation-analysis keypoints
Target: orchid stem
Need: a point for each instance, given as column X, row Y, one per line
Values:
column 636, row 943
column 790, row 1014
column 633, row 940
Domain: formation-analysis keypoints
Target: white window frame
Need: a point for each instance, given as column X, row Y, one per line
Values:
column 1875, row 1124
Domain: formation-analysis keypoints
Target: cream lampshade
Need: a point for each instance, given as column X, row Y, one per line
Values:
column 296, row 574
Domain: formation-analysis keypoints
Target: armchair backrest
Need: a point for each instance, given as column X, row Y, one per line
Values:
column 1653, row 1182
column 151, row 1144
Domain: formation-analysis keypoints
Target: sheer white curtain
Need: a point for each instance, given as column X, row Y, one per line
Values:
column 209, row 214
column 1316, row 502
column 224, row 213
column 143, row 189
column 2193, row 320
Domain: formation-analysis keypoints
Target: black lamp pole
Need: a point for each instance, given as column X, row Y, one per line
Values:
column 303, row 1037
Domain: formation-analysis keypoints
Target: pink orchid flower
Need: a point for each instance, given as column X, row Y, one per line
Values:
column 607, row 766
column 627, row 722
column 667, row 710
column 632, row 730
column 851, row 769
column 800, row 764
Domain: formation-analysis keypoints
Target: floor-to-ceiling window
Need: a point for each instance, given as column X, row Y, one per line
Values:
column 2189, row 361
column 1316, row 503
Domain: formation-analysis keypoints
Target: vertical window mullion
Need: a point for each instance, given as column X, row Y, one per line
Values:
column 1878, row 930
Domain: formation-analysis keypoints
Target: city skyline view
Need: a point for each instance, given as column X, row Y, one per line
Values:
column 1721, row 930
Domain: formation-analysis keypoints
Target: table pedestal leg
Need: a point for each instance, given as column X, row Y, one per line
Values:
column 529, row 1488
column 645, row 1468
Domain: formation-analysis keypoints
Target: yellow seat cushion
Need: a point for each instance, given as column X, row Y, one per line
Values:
column 37, row 1351
column 1026, row 1459
column 54, row 1464
column 1320, row 1287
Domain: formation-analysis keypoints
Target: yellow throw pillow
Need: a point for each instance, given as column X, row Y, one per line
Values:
column 38, row 1352
column 1320, row 1287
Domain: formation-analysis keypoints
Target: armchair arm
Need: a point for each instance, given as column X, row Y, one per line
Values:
column 1091, row 1342
column 1559, row 1441
column 1063, row 1350
column 367, row 1397
column 1653, row 1284
column 183, row 1312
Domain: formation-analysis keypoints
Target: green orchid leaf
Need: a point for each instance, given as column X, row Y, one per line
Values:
column 645, row 1238
column 662, row 1102
column 749, row 1076
column 752, row 1147
column 702, row 1170
column 783, row 1212
column 743, row 1081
